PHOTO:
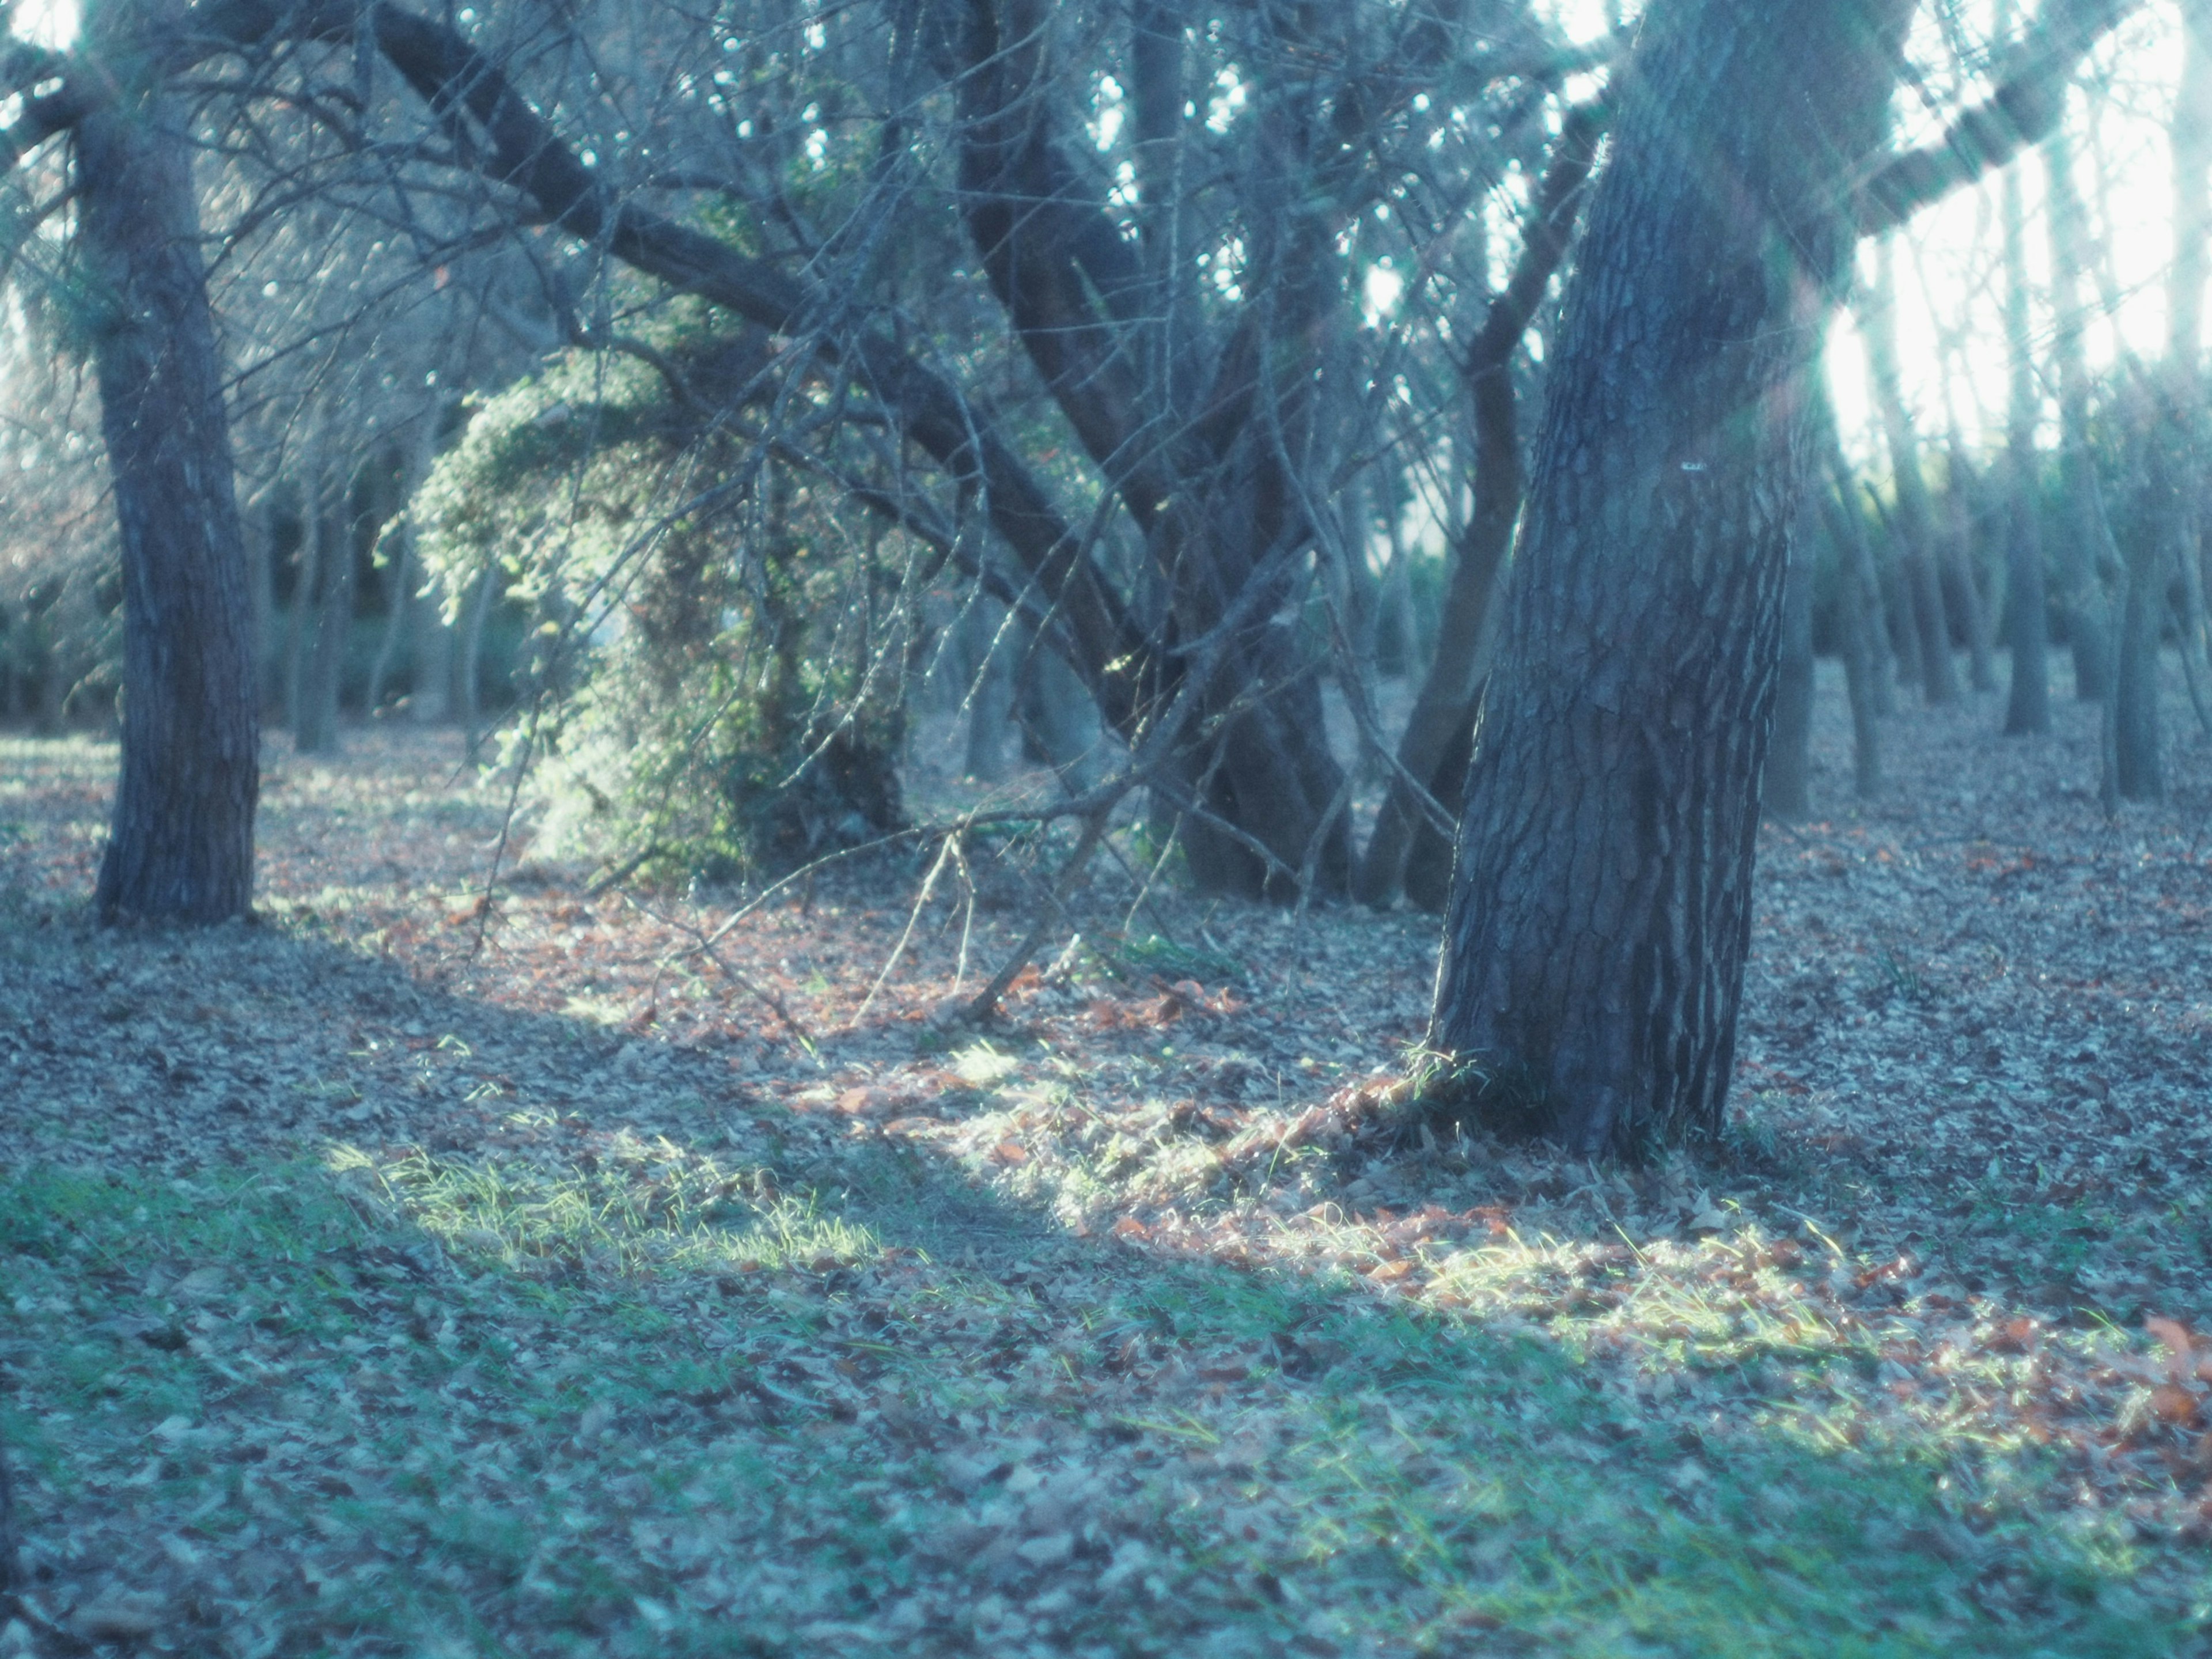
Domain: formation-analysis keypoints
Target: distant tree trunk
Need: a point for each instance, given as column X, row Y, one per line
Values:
column 1787, row 788
column 306, row 583
column 329, row 624
column 2192, row 262
column 181, row 845
column 2081, row 598
column 1594, row 951
column 2137, row 746
column 1863, row 681
column 402, row 615
column 261, row 591
column 1900, row 597
column 399, row 584
column 1962, row 562
column 2027, row 704
column 1860, row 579
column 1915, row 520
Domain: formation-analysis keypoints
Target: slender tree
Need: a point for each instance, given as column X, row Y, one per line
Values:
column 2027, row 704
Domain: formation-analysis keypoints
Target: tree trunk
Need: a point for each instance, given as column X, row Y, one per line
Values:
column 2027, row 704
column 2138, row 750
column 330, row 623
column 1860, row 579
column 1916, row 523
column 401, row 614
column 1900, row 598
column 1863, row 681
column 304, row 610
column 2081, row 597
column 181, row 846
column 1601, row 906
column 1963, row 565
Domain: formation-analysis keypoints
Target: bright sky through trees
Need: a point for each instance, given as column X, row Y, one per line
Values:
column 1949, row 315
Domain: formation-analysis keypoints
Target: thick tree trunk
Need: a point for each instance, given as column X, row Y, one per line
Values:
column 1594, row 949
column 181, row 846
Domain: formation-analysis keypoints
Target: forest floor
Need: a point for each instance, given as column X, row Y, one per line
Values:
column 407, row 1274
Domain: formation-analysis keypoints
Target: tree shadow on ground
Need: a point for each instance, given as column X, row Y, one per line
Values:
column 362, row 1316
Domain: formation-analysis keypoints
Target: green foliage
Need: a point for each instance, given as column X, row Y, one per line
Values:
column 722, row 684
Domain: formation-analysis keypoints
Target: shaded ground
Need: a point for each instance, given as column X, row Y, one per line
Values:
column 404, row 1275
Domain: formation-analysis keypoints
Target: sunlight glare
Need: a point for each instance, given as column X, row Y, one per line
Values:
column 49, row 23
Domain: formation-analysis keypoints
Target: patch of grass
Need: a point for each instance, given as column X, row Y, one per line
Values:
column 602, row 1395
column 639, row 1206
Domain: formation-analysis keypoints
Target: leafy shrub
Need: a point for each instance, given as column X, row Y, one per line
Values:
column 721, row 663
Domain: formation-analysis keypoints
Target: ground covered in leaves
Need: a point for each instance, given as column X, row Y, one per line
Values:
column 420, row 1271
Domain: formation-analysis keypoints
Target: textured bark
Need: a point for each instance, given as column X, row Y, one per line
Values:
column 1601, row 906
column 181, row 846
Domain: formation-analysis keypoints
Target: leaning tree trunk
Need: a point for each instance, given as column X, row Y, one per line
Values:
column 1602, row 907
column 181, row 848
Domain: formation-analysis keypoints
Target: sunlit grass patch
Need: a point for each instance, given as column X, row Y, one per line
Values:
column 633, row 1206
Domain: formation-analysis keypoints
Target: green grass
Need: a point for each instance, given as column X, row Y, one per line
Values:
column 522, row 1405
